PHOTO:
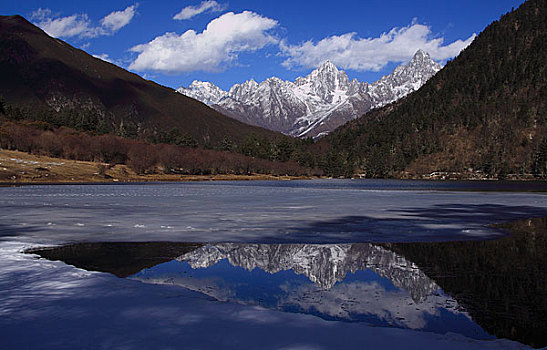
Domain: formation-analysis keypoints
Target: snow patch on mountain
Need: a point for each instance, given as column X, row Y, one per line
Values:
column 316, row 104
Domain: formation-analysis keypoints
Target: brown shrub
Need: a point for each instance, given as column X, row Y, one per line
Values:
column 142, row 157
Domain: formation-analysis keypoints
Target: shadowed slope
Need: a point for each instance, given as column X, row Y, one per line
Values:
column 41, row 74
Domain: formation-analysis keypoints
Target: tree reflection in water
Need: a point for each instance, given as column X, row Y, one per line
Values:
column 502, row 283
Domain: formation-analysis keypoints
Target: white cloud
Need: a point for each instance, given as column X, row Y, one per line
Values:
column 191, row 11
column 118, row 19
column 79, row 25
column 348, row 51
column 75, row 25
column 211, row 50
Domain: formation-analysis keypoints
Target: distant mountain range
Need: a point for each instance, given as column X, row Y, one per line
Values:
column 316, row 104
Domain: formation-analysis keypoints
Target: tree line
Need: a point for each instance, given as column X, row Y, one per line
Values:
column 24, row 123
column 38, row 137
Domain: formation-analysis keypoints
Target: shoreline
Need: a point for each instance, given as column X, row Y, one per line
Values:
column 20, row 168
column 155, row 179
column 158, row 179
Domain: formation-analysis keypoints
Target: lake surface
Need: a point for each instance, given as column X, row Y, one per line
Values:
column 479, row 289
column 322, row 211
column 404, row 254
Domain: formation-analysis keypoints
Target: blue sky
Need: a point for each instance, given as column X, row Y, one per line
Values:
column 227, row 42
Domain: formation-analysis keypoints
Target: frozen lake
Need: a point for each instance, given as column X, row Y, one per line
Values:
column 322, row 211
column 280, row 265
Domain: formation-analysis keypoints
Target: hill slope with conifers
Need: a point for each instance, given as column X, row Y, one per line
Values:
column 46, row 79
column 484, row 112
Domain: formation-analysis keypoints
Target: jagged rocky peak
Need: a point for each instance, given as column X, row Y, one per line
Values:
column 317, row 103
column 404, row 79
column 420, row 67
column 242, row 92
column 196, row 84
column 422, row 58
column 204, row 91
column 326, row 72
column 328, row 66
column 422, row 61
column 325, row 79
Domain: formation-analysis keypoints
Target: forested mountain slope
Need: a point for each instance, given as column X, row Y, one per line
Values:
column 483, row 112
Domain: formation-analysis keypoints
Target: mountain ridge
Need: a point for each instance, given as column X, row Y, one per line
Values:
column 48, row 79
column 313, row 105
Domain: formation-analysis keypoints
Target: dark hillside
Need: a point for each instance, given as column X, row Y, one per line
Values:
column 483, row 113
column 47, row 79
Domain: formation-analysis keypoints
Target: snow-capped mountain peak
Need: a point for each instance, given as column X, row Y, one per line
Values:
column 314, row 104
column 205, row 92
column 421, row 57
column 324, row 81
column 325, row 72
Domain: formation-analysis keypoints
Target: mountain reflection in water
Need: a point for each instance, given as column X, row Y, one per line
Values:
column 475, row 288
column 349, row 282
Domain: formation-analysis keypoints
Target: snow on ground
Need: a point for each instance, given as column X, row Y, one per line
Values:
column 51, row 305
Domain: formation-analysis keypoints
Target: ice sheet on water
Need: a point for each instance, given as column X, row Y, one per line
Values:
column 290, row 211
